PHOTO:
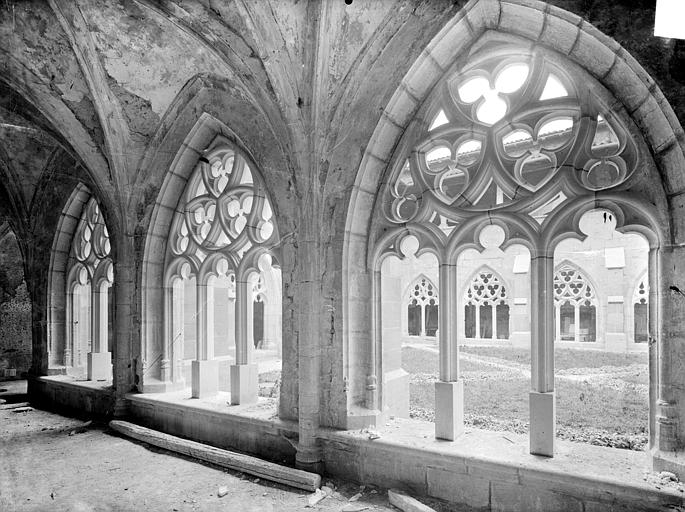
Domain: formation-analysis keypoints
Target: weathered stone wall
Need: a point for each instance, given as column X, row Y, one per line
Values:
column 15, row 311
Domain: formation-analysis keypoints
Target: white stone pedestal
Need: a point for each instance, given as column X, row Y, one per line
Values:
column 543, row 423
column 449, row 409
column 99, row 365
column 205, row 378
column 244, row 383
column 397, row 393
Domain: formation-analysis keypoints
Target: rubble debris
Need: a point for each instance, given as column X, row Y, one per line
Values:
column 315, row 498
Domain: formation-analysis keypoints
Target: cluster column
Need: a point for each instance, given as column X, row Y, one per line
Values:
column 204, row 370
column 449, row 390
column 244, row 374
column 99, row 358
column 542, row 396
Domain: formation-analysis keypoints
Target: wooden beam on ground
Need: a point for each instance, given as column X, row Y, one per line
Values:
column 407, row 503
column 14, row 406
column 238, row 461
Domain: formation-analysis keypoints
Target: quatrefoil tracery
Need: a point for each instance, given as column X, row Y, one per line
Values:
column 224, row 209
column 539, row 130
column 91, row 244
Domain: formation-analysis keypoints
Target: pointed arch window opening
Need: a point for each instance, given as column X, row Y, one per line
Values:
column 422, row 308
column 220, row 247
column 89, row 304
column 575, row 306
column 520, row 145
column 486, row 308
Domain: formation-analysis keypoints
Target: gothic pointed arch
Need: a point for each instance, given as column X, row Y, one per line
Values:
column 422, row 306
column 81, row 277
column 575, row 303
column 486, row 306
column 521, row 125
column 213, row 237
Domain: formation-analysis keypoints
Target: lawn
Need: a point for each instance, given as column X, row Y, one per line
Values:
column 605, row 406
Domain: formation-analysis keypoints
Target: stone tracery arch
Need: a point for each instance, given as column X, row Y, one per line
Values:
column 578, row 42
column 80, row 290
column 486, row 306
column 575, row 304
column 421, row 299
column 220, row 225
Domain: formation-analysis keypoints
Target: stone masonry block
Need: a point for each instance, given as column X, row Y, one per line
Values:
column 523, row 21
column 559, row 33
column 519, row 498
column 493, row 472
column 542, row 423
column 449, row 410
column 458, row 488
column 371, row 171
column 671, row 162
column 623, row 83
column 451, row 44
column 592, row 55
column 401, row 107
column 205, row 378
column 361, row 205
column 422, row 76
column 651, row 120
column 484, row 15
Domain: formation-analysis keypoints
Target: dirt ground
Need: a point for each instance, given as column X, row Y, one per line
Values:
column 51, row 463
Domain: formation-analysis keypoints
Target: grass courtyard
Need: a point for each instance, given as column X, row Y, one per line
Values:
column 602, row 398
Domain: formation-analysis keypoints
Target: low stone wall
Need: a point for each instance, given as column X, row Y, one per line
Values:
column 61, row 394
column 482, row 484
column 259, row 436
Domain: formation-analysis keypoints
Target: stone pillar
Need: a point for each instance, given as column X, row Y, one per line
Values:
column 126, row 297
column 371, row 398
column 204, row 370
column 667, row 334
column 244, row 373
column 542, row 398
column 99, row 358
column 395, row 378
column 449, row 391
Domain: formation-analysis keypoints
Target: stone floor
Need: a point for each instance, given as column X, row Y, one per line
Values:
column 52, row 462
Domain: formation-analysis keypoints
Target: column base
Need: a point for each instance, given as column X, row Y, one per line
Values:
column 99, row 365
column 543, row 423
column 244, row 383
column 669, row 461
column 205, row 378
column 449, row 410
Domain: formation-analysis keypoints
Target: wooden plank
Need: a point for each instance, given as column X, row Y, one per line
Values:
column 407, row 503
column 238, row 461
column 14, row 406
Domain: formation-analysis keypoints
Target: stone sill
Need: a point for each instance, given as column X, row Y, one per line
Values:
column 264, row 412
column 576, row 468
column 73, row 382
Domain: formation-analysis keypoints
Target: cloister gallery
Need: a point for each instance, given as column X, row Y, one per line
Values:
column 230, row 217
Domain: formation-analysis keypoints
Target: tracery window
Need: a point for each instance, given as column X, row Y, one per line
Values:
column 422, row 308
column 641, row 311
column 486, row 308
column 221, row 241
column 575, row 306
column 90, row 276
column 515, row 139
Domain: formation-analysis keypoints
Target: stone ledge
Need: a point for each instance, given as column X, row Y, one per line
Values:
column 577, row 474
